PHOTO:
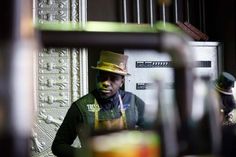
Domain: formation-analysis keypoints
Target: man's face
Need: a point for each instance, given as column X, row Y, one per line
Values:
column 108, row 83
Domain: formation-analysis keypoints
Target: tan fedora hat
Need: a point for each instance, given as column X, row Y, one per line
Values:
column 112, row 62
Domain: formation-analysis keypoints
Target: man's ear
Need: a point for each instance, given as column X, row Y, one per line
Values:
column 122, row 82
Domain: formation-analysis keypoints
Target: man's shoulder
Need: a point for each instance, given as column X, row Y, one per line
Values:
column 130, row 95
column 86, row 99
column 123, row 92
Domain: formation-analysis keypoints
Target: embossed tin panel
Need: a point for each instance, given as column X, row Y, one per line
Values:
column 58, row 76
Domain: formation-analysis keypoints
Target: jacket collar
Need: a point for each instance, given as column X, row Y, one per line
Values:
column 107, row 103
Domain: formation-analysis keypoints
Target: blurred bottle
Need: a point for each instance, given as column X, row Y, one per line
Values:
column 167, row 121
column 202, row 134
column 128, row 143
column 204, row 123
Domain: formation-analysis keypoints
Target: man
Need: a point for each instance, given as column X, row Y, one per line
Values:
column 105, row 108
column 224, row 85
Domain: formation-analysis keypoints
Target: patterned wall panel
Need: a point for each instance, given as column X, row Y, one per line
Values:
column 58, row 77
column 53, row 10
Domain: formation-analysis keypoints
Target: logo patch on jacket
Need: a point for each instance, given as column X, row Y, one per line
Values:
column 125, row 106
column 93, row 107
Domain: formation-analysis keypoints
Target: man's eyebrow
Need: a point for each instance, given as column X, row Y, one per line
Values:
column 117, row 75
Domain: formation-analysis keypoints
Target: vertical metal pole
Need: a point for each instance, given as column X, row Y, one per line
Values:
column 125, row 11
column 138, row 10
column 164, row 13
column 176, row 11
column 151, row 12
column 188, row 15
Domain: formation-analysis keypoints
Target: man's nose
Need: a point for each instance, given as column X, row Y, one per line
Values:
column 106, row 81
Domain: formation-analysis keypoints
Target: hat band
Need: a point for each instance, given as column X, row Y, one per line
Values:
column 111, row 66
column 222, row 91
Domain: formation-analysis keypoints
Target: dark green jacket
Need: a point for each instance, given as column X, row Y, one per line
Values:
column 79, row 119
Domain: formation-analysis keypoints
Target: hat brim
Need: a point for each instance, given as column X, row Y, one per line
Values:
column 112, row 71
column 221, row 90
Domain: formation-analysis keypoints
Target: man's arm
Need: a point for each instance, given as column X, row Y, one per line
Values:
column 67, row 133
column 141, row 109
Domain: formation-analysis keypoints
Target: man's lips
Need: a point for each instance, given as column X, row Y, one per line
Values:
column 106, row 91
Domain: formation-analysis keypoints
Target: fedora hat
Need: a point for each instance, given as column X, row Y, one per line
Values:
column 112, row 62
column 225, row 83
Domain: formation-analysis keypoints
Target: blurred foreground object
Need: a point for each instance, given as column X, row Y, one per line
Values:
column 205, row 127
column 126, row 144
column 17, row 45
column 201, row 134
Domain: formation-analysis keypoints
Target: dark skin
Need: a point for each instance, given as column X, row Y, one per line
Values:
column 108, row 83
